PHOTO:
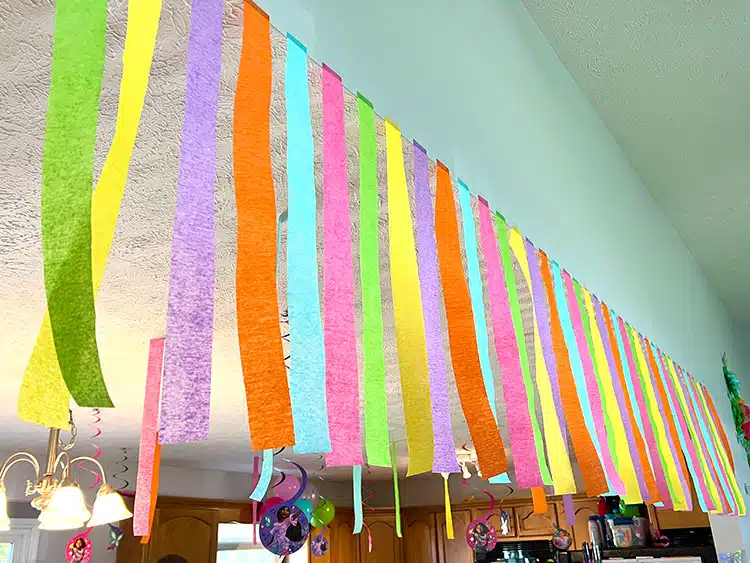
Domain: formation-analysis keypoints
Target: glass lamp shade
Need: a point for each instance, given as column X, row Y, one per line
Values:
column 66, row 509
column 108, row 507
column 52, row 524
column 4, row 520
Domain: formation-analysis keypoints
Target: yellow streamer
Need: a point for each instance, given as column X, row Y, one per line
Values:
column 407, row 311
column 448, row 513
column 622, row 456
column 557, row 453
column 660, row 430
column 44, row 398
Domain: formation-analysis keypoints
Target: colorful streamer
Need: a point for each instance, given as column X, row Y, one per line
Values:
column 712, row 409
column 448, row 513
column 407, row 310
column 461, row 336
column 540, row 500
column 147, row 448
column 269, row 408
column 506, row 347
column 307, row 346
column 266, row 471
column 444, row 460
column 357, row 489
column 376, row 406
column 186, row 393
column 340, row 334
column 154, row 490
column 396, row 494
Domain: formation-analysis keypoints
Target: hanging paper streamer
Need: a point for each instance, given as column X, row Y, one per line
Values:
column 445, row 448
column 588, row 461
column 308, row 370
column 506, row 347
column 559, row 462
column 96, row 415
column 448, row 514
column 264, row 480
column 740, row 412
column 342, row 377
column 357, row 487
column 407, row 311
column 396, row 495
column 154, row 490
column 539, row 499
column 44, row 399
column 570, row 511
column 123, row 471
column 462, row 339
column 147, row 450
column 68, row 161
column 186, row 393
column 267, row 392
column 376, row 405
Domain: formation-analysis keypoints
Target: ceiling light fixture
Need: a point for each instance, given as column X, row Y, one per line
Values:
column 61, row 502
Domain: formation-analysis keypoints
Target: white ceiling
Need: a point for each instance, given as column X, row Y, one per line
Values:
column 671, row 80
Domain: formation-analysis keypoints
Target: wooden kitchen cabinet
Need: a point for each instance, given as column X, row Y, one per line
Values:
column 188, row 532
column 529, row 524
column 455, row 550
column 420, row 536
column 343, row 545
column 387, row 547
column 580, row 530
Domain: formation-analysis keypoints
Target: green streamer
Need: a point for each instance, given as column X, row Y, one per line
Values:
column 396, row 495
column 376, row 406
column 515, row 312
column 67, row 179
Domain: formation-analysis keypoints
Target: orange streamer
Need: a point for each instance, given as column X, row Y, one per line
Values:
column 720, row 426
column 540, row 500
column 154, row 489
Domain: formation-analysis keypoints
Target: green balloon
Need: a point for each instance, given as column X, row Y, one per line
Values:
column 315, row 523
column 324, row 513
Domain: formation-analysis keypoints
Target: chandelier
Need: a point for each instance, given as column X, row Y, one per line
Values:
column 60, row 500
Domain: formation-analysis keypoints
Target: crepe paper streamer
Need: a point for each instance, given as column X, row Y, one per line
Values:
column 147, row 448
column 616, row 435
column 186, row 393
column 462, row 339
column 396, row 495
column 715, row 415
column 342, row 377
column 44, row 398
column 570, row 510
column 266, row 389
column 539, row 499
column 307, row 345
column 559, row 461
column 97, row 419
column 594, row 480
column 444, row 460
column 448, row 514
column 376, row 404
column 634, row 429
column 261, row 485
column 256, row 477
column 407, row 311
column 588, row 387
column 154, row 489
column 357, row 487
column 686, row 445
column 67, row 167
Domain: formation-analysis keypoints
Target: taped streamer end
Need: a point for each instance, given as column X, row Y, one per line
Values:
column 418, row 147
column 361, row 96
column 252, row 4
column 297, row 41
column 501, row 217
column 331, row 71
column 482, row 200
column 389, row 121
column 441, row 165
column 463, row 184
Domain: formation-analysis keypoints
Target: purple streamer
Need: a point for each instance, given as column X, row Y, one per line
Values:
column 186, row 392
column 444, row 460
column 620, row 395
column 570, row 510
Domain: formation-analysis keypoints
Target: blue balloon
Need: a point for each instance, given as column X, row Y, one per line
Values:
column 305, row 506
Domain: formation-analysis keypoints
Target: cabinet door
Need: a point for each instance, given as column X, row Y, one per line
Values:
column 420, row 537
column 580, row 531
column 456, row 550
column 188, row 532
column 530, row 524
column 344, row 545
column 386, row 546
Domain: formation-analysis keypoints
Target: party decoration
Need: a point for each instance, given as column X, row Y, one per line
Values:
column 115, row 536
column 448, row 513
column 732, row 557
column 444, row 459
column 319, row 544
column 407, row 310
column 480, row 534
column 724, row 439
column 186, row 391
column 147, row 449
column 79, row 548
column 504, row 522
column 305, row 506
column 396, row 495
column 340, row 334
column 740, row 410
column 261, row 353
column 154, row 490
column 561, row 539
column 287, row 488
column 376, row 406
column 539, row 498
column 462, row 340
column 308, row 370
column 357, row 489
column 97, row 419
column 264, row 480
column 284, row 529
column 324, row 513
column 270, row 503
column 122, row 471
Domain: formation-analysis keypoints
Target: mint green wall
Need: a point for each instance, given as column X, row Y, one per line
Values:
column 480, row 87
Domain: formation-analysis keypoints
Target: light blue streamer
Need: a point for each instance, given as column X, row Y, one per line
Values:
column 477, row 304
column 307, row 376
column 265, row 477
column 358, row 518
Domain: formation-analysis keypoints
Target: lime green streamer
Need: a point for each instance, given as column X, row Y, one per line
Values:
column 515, row 313
column 396, row 495
column 376, row 406
column 67, row 178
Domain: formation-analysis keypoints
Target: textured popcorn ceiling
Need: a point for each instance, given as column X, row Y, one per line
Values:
column 131, row 306
column 671, row 80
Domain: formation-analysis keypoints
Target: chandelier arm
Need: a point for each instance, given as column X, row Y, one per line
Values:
column 18, row 458
column 66, row 468
column 95, row 462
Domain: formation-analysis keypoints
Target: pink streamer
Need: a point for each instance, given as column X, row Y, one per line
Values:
column 342, row 378
column 149, row 427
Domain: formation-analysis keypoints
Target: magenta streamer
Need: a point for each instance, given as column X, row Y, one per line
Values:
column 186, row 394
column 444, row 460
column 522, row 444
column 620, row 396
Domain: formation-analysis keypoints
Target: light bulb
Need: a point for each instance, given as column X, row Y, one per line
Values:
column 108, row 507
column 465, row 471
column 66, row 509
column 4, row 520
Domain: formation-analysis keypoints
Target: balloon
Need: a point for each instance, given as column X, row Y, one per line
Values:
column 312, row 494
column 287, row 488
column 325, row 512
column 269, row 503
column 315, row 523
column 305, row 506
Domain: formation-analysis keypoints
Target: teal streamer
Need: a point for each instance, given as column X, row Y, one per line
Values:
column 265, row 477
column 357, row 484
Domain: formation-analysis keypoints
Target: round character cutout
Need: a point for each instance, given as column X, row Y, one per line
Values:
column 79, row 549
column 319, row 545
column 561, row 539
column 284, row 529
column 481, row 536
